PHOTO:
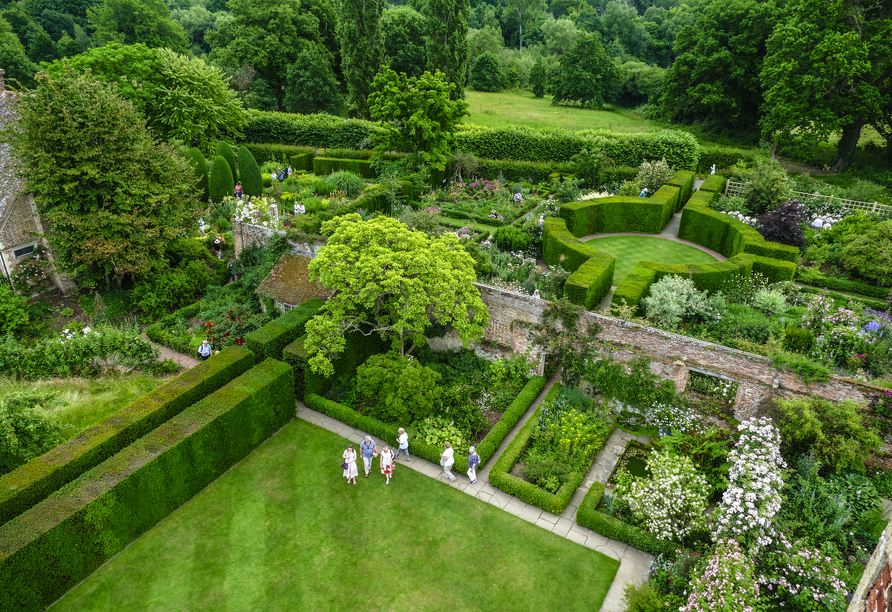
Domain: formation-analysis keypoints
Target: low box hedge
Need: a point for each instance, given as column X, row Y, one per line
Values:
column 327, row 165
column 500, row 477
column 302, row 161
column 634, row 287
column 32, row 482
column 611, row 527
column 455, row 213
column 59, row 542
column 847, row 286
column 591, row 282
column 725, row 157
column 271, row 339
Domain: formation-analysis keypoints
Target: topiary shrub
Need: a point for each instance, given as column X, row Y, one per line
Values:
column 512, row 238
column 487, row 74
column 346, row 181
column 200, row 168
column 249, row 173
column 225, row 150
column 221, row 185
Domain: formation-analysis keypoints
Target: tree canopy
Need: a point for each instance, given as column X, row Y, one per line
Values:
column 137, row 21
column 362, row 49
column 417, row 114
column 404, row 48
column 391, row 280
column 586, row 76
column 111, row 196
column 447, row 41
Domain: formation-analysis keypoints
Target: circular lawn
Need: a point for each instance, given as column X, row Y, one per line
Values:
column 629, row 250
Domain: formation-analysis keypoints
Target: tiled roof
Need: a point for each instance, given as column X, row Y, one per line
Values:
column 289, row 281
column 10, row 183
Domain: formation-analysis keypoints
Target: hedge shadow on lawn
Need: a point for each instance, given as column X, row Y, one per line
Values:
column 500, row 475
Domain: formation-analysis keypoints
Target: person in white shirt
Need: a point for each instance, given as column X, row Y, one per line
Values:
column 204, row 351
column 403, row 441
column 447, row 460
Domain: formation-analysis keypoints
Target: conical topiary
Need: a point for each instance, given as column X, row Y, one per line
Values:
column 225, row 149
column 200, row 168
column 249, row 173
column 222, row 184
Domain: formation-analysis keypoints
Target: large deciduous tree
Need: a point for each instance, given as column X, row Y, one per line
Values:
column 404, row 46
column 269, row 36
column 586, row 76
column 137, row 21
column 524, row 11
column 716, row 76
column 112, row 197
column 181, row 98
column 362, row 49
column 446, row 24
column 417, row 114
column 827, row 70
column 13, row 58
column 392, row 281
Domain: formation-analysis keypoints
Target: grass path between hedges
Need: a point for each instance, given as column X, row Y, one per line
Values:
column 629, row 250
column 283, row 531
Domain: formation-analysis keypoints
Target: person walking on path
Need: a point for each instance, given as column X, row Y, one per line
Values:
column 403, row 439
column 473, row 462
column 349, row 465
column 369, row 450
column 447, row 460
column 232, row 269
column 387, row 463
column 204, row 351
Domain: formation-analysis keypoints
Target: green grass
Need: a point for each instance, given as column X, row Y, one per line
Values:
column 472, row 225
column 84, row 402
column 284, row 531
column 629, row 250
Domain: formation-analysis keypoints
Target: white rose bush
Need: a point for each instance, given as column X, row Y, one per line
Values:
column 753, row 497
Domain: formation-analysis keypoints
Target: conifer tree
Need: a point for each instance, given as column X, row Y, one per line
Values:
column 199, row 166
column 224, row 149
column 222, row 184
column 249, row 173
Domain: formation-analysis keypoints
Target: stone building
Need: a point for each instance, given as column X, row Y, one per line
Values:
column 288, row 284
column 20, row 225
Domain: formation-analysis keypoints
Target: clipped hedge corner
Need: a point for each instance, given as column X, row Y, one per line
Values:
column 272, row 338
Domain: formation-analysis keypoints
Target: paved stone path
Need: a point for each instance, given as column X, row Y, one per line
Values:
column 184, row 361
column 634, row 564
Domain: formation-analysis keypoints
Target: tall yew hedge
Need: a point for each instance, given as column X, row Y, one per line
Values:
column 200, row 168
column 222, row 183
column 249, row 173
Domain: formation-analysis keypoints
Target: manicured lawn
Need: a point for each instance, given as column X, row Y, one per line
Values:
column 283, row 531
column 83, row 402
column 523, row 108
column 629, row 250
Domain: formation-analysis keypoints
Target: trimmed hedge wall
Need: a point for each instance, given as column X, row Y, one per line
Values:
column 500, row 477
column 635, row 286
column 59, row 542
column 32, row 482
column 591, row 282
column 275, row 152
column 725, row 157
column 725, row 234
column 611, row 527
column 486, row 448
column 316, row 130
column 560, row 247
column 846, row 286
column 714, row 183
column 684, row 180
column 272, row 338
column 327, row 165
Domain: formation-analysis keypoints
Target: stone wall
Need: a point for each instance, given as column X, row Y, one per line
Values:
column 672, row 356
column 874, row 592
column 245, row 235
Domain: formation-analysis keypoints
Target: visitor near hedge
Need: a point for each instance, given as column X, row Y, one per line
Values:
column 473, row 462
column 349, row 465
column 204, row 351
column 300, row 209
column 238, row 190
column 387, row 463
column 403, row 441
column 369, row 450
column 447, row 460
column 643, row 193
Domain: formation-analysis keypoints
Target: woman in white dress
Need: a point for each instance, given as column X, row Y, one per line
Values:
column 350, row 471
column 387, row 463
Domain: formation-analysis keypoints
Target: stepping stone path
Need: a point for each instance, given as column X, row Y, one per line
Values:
column 634, row 564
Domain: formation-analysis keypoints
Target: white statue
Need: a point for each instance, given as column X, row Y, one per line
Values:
column 712, row 171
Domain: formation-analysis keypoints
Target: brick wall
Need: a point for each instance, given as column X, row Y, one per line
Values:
column 874, row 592
column 245, row 235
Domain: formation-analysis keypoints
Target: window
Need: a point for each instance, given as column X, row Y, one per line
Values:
column 283, row 306
column 19, row 253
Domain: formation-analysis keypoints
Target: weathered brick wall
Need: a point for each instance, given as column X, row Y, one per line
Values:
column 244, row 235
column 874, row 592
column 672, row 355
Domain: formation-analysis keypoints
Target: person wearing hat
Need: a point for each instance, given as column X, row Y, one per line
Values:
column 473, row 462
column 368, row 449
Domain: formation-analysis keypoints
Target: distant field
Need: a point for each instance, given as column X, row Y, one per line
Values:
column 523, row 108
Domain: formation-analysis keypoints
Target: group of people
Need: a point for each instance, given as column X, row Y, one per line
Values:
column 280, row 175
column 368, row 450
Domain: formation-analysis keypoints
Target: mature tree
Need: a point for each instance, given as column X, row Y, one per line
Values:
column 393, row 281
column 641, row 84
column 485, row 40
column 417, row 114
column 716, row 76
column 524, row 11
column 487, row 74
column 196, row 21
column 137, row 21
column 560, row 35
column 446, row 24
column 621, row 22
column 312, row 86
column 404, row 46
column 268, row 36
column 249, row 173
column 112, row 197
column 13, row 58
column 539, row 78
column 828, row 70
column 199, row 167
column 586, row 76
column 362, row 50
column 180, row 97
